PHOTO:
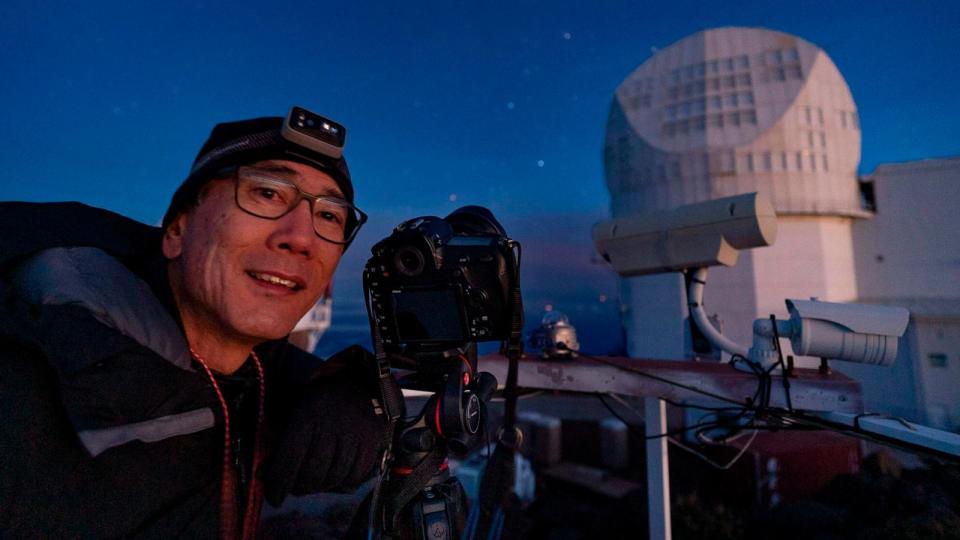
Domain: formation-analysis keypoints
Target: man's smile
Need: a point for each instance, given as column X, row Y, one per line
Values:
column 289, row 282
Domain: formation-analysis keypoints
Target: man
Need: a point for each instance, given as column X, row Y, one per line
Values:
column 145, row 381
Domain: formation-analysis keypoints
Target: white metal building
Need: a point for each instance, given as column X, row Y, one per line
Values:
column 735, row 110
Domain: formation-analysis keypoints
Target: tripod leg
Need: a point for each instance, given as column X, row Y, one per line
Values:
column 358, row 525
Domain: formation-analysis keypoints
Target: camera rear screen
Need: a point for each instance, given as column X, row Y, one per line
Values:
column 428, row 315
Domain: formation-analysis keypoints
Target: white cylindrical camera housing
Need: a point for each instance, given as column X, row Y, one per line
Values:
column 850, row 332
column 830, row 340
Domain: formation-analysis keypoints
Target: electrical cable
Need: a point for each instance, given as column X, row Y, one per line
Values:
column 759, row 405
column 783, row 366
column 623, row 402
column 699, row 407
column 657, row 378
column 733, row 423
column 706, row 426
column 669, row 433
column 702, row 427
column 760, row 393
column 759, row 401
column 677, row 443
column 760, row 396
column 781, row 415
column 724, row 467
column 879, row 438
column 735, row 429
column 702, row 436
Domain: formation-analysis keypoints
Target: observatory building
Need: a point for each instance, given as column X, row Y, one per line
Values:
column 735, row 110
column 730, row 111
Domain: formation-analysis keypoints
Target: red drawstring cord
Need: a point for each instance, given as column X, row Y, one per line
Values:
column 228, row 489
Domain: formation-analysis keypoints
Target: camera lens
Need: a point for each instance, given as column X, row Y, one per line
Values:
column 409, row 261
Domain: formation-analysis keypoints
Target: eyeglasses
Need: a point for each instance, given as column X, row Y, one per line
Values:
column 261, row 194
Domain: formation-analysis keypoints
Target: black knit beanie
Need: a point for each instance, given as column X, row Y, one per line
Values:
column 243, row 142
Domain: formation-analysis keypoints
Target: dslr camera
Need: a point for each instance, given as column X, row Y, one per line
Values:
column 437, row 284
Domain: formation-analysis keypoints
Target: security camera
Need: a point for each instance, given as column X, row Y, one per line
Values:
column 690, row 236
column 859, row 333
column 697, row 236
column 849, row 332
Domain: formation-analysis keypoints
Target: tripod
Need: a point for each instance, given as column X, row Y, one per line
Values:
column 420, row 499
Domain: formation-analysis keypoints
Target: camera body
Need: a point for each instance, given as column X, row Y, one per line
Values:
column 437, row 284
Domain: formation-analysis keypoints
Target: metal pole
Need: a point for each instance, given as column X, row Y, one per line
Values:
column 658, row 470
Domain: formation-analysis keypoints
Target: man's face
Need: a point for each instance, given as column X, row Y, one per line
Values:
column 245, row 278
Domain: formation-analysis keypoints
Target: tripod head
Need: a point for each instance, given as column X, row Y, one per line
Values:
column 453, row 415
column 420, row 498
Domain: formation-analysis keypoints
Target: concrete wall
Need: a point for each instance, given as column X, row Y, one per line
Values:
column 908, row 255
column 910, row 248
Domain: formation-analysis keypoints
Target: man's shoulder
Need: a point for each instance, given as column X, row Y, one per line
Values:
column 67, row 284
column 119, row 361
column 68, row 261
column 32, row 227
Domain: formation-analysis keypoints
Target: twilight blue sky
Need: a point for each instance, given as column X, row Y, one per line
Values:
column 501, row 104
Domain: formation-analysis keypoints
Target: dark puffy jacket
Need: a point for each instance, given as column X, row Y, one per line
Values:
column 108, row 429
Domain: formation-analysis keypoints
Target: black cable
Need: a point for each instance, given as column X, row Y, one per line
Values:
column 759, row 404
column 756, row 371
column 700, row 407
column 678, row 431
column 666, row 433
column 643, row 438
column 782, row 414
column 878, row 438
column 761, row 398
column 694, row 389
column 783, row 366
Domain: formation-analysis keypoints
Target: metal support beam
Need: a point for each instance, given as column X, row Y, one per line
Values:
column 900, row 432
column 809, row 389
column 658, row 470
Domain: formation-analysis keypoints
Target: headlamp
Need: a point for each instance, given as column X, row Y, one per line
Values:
column 310, row 130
